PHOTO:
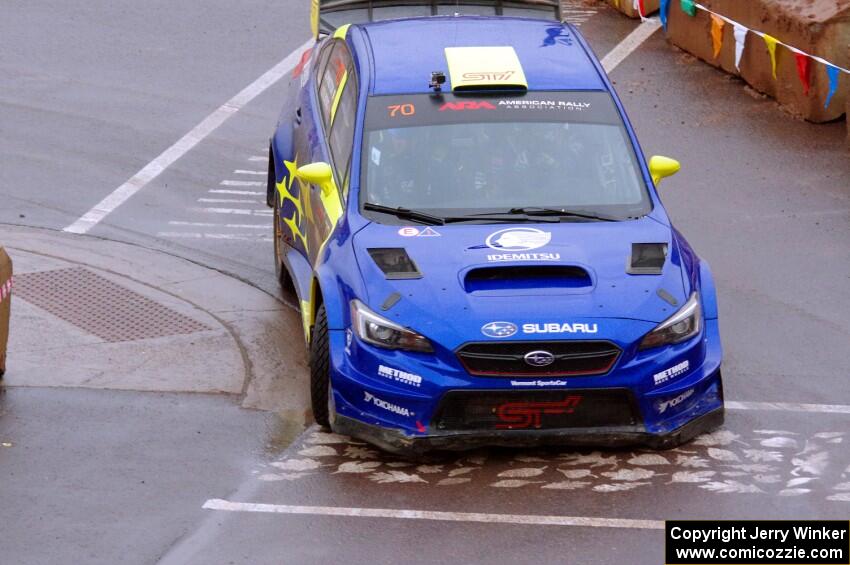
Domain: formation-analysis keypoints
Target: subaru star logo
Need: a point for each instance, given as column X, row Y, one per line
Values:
column 499, row 329
column 539, row 358
column 518, row 239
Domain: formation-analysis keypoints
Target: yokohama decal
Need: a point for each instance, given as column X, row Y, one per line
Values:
column 518, row 415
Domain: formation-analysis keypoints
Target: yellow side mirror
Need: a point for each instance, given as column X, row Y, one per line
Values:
column 663, row 167
column 315, row 173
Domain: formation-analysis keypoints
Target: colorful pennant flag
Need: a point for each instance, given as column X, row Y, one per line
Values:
column 689, row 7
column 717, row 24
column 740, row 41
column 803, row 70
column 663, row 10
column 771, row 42
column 832, row 72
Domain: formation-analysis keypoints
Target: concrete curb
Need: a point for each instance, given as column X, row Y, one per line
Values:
column 627, row 7
column 693, row 34
column 254, row 346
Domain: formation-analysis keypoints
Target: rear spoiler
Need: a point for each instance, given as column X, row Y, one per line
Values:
column 328, row 15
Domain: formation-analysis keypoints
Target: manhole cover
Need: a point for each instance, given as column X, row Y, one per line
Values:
column 101, row 307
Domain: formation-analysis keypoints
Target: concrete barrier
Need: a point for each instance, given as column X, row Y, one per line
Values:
column 818, row 27
column 627, row 7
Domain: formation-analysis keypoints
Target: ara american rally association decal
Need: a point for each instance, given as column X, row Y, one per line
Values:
column 556, row 105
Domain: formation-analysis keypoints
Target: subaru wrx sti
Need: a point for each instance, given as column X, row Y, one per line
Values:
column 476, row 241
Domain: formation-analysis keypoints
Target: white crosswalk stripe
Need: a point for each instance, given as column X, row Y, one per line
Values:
column 228, row 201
column 236, row 200
column 237, row 211
column 263, row 226
column 241, row 192
column 207, row 235
column 242, row 183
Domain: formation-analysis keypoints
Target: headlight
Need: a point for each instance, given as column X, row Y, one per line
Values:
column 379, row 331
column 679, row 327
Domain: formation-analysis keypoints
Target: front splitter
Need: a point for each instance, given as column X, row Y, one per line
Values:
column 395, row 441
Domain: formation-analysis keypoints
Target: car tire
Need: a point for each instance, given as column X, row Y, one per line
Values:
column 320, row 370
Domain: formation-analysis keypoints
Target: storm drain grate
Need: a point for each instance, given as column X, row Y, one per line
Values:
column 101, row 307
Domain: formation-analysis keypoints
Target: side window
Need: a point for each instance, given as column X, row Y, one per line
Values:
column 342, row 129
column 332, row 76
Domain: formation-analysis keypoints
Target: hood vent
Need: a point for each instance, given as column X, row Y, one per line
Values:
column 395, row 263
column 556, row 277
column 647, row 259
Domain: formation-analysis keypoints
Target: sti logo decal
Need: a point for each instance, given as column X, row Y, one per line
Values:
column 467, row 105
column 519, row 415
column 487, row 76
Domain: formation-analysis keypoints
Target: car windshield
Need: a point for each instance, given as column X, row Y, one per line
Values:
column 459, row 155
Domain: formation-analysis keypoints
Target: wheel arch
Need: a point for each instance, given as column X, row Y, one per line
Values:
column 708, row 293
column 324, row 290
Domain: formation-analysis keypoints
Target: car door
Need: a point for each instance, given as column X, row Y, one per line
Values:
column 328, row 138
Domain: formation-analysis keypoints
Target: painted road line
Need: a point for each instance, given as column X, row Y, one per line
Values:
column 199, row 235
column 229, row 201
column 237, row 211
column 243, row 192
column 214, row 225
column 520, row 519
column 634, row 40
column 257, row 158
column 246, row 172
column 789, row 407
column 185, row 144
column 242, row 183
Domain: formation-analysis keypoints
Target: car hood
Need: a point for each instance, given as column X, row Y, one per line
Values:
column 546, row 273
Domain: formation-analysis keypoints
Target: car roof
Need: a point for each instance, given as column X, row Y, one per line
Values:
column 403, row 53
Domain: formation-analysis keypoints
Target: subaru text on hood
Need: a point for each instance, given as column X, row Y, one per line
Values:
column 478, row 247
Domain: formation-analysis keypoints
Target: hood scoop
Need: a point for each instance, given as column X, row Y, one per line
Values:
column 647, row 259
column 395, row 263
column 521, row 278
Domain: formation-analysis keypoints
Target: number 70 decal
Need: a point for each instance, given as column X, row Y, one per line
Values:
column 401, row 109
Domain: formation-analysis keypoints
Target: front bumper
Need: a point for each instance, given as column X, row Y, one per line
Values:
column 396, row 441
column 404, row 416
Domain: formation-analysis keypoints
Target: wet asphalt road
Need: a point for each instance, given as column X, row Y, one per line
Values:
column 763, row 197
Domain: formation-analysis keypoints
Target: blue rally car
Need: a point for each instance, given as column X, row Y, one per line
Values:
column 476, row 241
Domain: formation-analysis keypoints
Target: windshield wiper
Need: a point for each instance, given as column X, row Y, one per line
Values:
column 426, row 218
column 406, row 214
column 554, row 212
column 503, row 217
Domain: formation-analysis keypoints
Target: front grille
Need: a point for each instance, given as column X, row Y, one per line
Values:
column 534, row 410
column 518, row 359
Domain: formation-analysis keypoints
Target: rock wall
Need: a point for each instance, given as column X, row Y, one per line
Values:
column 818, row 27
